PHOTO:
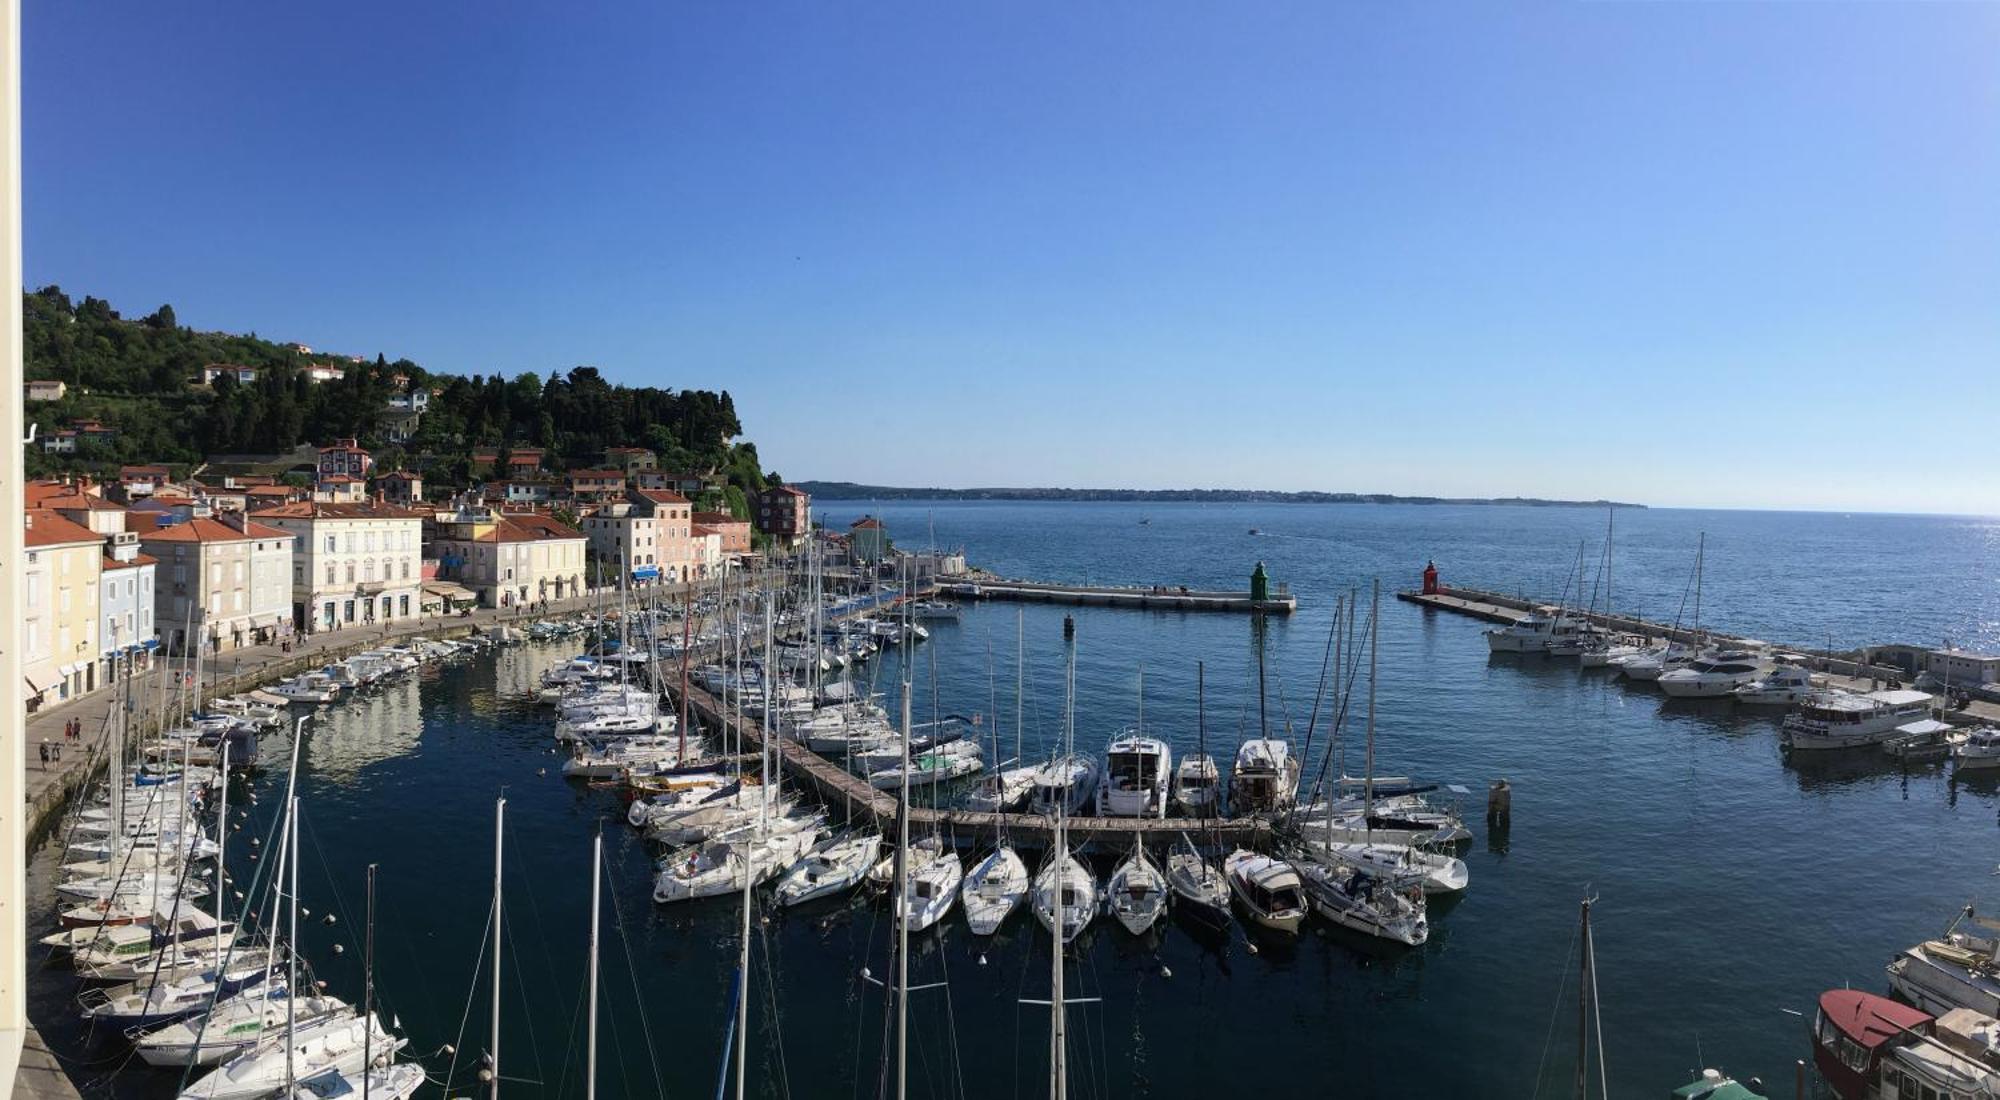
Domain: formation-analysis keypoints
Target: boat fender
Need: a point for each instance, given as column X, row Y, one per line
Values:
column 1166, row 971
column 330, row 919
column 1250, row 947
column 982, row 959
column 339, row 949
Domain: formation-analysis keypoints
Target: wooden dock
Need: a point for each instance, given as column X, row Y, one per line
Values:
column 1154, row 598
column 837, row 786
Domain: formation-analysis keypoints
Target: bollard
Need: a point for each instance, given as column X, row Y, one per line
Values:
column 1499, row 803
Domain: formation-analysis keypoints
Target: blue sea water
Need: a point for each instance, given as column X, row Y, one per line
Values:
column 1732, row 885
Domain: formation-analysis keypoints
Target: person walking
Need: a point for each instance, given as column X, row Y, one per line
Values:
column 45, row 754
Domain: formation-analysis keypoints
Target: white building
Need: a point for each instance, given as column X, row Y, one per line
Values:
column 652, row 533
column 59, row 586
column 353, row 564
column 509, row 558
column 227, row 578
column 128, row 636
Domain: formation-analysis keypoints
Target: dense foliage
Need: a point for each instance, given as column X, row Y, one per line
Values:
column 143, row 378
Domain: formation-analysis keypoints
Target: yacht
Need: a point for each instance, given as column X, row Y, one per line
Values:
column 1781, row 687
column 1845, row 719
column 931, row 767
column 1649, row 665
column 932, row 611
column 1002, row 790
column 233, row 1026
column 1134, row 780
column 1711, row 675
column 1268, row 889
column 1980, row 751
column 1266, row 778
column 1533, row 632
column 1435, row 872
column 1197, row 788
column 930, row 889
column 1065, row 783
column 339, row 1045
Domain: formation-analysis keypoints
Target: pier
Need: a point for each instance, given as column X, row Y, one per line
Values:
column 1155, row 598
column 1850, row 673
column 836, row 785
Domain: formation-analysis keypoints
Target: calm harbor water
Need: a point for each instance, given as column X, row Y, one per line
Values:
column 1733, row 886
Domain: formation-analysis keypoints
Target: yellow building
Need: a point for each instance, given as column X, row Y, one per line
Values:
column 59, row 621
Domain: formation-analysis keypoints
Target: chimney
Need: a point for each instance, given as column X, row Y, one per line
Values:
column 237, row 520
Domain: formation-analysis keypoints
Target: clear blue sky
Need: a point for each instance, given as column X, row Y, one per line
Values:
column 1682, row 253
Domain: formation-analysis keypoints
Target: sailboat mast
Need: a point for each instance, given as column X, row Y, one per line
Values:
column 292, row 952
column 1584, row 979
column 1374, row 635
column 221, row 837
column 1700, row 549
column 596, row 906
column 902, row 903
column 1058, row 1021
column 493, row 1053
column 367, row 989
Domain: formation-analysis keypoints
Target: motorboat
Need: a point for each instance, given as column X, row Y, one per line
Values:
column 1002, row 790
column 169, row 994
column 1136, row 893
column 1361, row 901
column 1783, row 686
column 337, row 1045
column 931, row 611
column 993, row 889
column 235, row 1025
column 1201, row 891
column 301, row 692
column 1133, row 781
column 834, row 866
column 1064, row 783
column 1845, row 719
column 930, row 889
column 1064, row 896
column 933, row 766
column 1651, row 664
column 1980, row 751
column 1268, row 889
column 1436, row 872
column 1711, row 675
column 1533, row 632
column 1197, row 787
column 1265, row 779
column 1867, row 1047
column 1961, row 969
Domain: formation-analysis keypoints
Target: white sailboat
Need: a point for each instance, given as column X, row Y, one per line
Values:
column 1065, row 893
column 1136, row 893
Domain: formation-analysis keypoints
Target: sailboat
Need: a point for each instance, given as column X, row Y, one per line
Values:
column 1136, row 894
column 1065, row 894
column 1201, row 892
column 833, row 866
column 994, row 887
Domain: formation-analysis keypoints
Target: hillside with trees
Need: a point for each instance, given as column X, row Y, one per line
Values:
column 143, row 378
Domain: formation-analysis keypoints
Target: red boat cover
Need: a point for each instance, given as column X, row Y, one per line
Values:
column 1870, row 1020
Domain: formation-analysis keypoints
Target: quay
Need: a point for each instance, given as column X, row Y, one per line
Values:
column 1261, row 598
column 836, row 785
column 1850, row 672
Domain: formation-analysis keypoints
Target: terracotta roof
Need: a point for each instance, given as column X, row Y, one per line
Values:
column 268, row 491
column 787, row 489
column 716, row 519
column 48, row 529
column 399, row 475
column 74, row 499
column 137, row 560
column 312, row 509
column 606, row 474
column 532, row 527
column 867, row 523
column 203, row 529
column 144, row 471
column 338, row 479
column 662, row 496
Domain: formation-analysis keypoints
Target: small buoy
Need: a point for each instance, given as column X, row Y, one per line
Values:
column 330, row 919
column 239, row 895
column 256, row 842
column 1166, row 971
column 236, row 828
column 448, row 1049
column 340, row 949
column 305, row 912
column 541, row 771
column 1252, row 947
column 982, row 959
column 486, row 1075
column 321, row 983
column 253, row 857
column 865, row 973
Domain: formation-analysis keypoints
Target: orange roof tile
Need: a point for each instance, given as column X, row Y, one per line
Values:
column 45, row 528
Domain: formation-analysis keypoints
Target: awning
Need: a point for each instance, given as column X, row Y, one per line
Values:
column 451, row 592
column 38, row 685
column 67, row 670
column 646, row 573
column 150, row 643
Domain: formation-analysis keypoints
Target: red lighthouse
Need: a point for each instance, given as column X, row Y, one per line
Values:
column 1430, row 578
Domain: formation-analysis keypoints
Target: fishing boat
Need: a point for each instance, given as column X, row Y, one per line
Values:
column 1846, row 720
column 1268, row 889
column 1133, row 782
column 1197, row 787
column 993, row 889
column 1364, row 901
column 1136, row 893
column 833, row 866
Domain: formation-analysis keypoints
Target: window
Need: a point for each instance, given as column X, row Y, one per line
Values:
column 329, row 544
column 330, row 570
column 350, row 580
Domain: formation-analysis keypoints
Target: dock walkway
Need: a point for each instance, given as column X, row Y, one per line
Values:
column 1155, row 598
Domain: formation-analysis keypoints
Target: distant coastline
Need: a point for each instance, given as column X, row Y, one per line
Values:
column 848, row 490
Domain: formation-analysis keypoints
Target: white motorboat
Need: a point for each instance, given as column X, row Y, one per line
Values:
column 1064, row 783
column 1201, row 891
column 641, row 754
column 1136, row 893
column 1650, row 664
column 933, row 766
column 300, row 691
column 1436, row 872
column 235, row 1025
column 1133, row 782
column 1980, row 751
column 932, row 611
column 1064, row 897
column 1783, row 686
column 1711, row 675
column 1265, row 779
column 1373, row 905
column 1532, row 633
column 1197, row 789
column 993, row 889
column 1846, row 720
column 1268, row 889
column 1961, row 969
column 1002, row 790
column 930, row 889
column 834, row 866
column 339, row 1045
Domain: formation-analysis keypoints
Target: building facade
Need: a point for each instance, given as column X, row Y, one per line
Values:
column 60, row 578
column 784, row 514
column 344, row 457
column 508, row 558
column 127, row 634
column 225, row 581
column 734, row 533
column 352, row 564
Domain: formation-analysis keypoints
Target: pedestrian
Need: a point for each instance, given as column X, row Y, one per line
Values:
column 57, row 752
column 45, row 754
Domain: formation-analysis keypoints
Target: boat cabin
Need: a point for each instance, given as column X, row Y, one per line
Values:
column 1867, row 1047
